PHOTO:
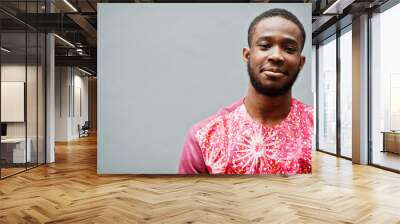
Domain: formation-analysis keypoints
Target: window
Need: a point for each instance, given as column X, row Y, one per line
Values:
column 385, row 89
column 346, row 75
column 327, row 95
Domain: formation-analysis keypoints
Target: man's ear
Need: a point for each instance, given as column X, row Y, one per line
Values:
column 302, row 61
column 246, row 54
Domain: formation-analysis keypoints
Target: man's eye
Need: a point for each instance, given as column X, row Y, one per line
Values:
column 291, row 50
column 264, row 46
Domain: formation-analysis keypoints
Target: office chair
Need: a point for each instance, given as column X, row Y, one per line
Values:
column 84, row 130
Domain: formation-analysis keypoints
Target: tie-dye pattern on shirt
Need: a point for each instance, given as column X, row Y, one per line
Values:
column 235, row 144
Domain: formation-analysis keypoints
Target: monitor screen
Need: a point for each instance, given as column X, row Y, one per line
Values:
column 3, row 129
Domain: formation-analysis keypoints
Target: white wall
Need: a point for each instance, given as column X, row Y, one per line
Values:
column 69, row 84
column 9, row 73
column 80, row 83
column 16, row 72
column 61, row 103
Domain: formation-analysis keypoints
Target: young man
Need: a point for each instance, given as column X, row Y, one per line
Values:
column 267, row 132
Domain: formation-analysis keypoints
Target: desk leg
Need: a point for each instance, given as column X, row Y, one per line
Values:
column 384, row 142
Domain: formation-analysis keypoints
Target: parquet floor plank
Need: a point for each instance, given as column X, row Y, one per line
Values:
column 70, row 191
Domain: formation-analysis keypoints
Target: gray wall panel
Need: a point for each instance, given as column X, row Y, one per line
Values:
column 164, row 67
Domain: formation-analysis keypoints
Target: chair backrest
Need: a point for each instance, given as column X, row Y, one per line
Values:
column 86, row 125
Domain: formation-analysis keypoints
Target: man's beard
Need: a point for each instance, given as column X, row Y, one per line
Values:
column 270, row 91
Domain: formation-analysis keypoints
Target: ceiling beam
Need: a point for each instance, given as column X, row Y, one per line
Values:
column 84, row 61
column 84, row 24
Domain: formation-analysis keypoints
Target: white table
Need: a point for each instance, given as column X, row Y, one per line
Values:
column 18, row 149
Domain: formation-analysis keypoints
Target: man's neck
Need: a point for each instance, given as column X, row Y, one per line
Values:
column 266, row 109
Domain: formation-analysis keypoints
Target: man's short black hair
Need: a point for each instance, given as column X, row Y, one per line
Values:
column 274, row 13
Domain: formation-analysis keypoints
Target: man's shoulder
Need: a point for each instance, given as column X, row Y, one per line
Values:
column 302, row 106
column 304, row 111
column 217, row 118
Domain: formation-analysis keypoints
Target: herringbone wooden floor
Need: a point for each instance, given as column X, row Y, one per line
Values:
column 70, row 191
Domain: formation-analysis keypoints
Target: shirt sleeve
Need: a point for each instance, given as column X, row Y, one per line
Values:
column 191, row 160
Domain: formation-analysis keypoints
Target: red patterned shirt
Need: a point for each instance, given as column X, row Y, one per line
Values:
column 230, row 142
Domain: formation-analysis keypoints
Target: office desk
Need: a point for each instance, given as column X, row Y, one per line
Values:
column 391, row 141
column 15, row 148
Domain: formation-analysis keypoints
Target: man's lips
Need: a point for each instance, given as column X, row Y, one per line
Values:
column 273, row 73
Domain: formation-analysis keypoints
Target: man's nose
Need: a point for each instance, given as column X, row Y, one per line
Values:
column 276, row 56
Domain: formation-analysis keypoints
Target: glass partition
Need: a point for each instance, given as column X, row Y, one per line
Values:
column 385, row 89
column 41, row 88
column 31, row 100
column 346, row 92
column 22, row 88
column 13, row 109
column 33, row 58
column 327, row 95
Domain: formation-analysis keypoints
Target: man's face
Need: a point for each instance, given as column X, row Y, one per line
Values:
column 274, row 58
